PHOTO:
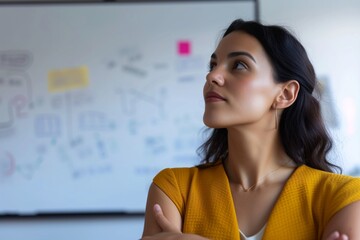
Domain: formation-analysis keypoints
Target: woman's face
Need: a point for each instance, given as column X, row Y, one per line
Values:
column 240, row 88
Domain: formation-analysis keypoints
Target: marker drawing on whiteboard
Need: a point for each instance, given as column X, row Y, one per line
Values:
column 9, row 120
column 15, row 82
column 134, row 70
column 111, row 64
column 75, row 142
column 124, row 102
column 28, row 170
column 155, row 145
column 130, row 99
column 47, row 125
column 133, row 126
column 91, row 171
column 7, row 164
column 100, row 147
column 19, row 103
column 131, row 53
column 93, row 121
column 192, row 63
column 69, row 115
column 156, row 101
column 140, row 96
column 18, row 80
column 15, row 59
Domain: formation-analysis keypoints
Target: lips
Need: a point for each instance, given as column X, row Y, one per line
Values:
column 213, row 97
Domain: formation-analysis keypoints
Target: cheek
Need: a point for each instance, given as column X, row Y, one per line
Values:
column 255, row 94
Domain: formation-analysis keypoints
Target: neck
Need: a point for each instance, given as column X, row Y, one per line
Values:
column 254, row 158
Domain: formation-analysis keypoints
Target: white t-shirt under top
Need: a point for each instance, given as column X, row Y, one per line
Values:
column 257, row 236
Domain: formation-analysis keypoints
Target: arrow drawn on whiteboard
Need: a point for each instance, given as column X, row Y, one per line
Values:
column 130, row 100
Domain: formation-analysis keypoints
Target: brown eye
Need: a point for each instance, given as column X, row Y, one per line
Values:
column 239, row 66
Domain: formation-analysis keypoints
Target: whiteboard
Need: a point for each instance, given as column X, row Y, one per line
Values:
column 95, row 99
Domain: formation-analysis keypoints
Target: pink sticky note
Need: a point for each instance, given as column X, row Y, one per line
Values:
column 184, row 48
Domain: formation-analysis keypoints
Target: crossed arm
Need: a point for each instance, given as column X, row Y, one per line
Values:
column 163, row 221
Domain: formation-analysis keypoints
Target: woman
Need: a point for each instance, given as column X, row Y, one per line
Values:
column 265, row 173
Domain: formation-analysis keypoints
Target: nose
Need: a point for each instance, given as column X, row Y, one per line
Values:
column 215, row 77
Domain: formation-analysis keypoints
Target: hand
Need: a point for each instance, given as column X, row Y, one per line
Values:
column 337, row 236
column 169, row 231
column 164, row 223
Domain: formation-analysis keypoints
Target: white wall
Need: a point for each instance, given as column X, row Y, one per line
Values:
column 329, row 30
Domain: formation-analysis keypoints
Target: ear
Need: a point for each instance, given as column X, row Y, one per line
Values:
column 288, row 94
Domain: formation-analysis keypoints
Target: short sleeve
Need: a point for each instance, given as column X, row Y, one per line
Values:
column 168, row 183
column 347, row 192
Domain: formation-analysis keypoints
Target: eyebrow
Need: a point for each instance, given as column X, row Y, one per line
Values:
column 235, row 54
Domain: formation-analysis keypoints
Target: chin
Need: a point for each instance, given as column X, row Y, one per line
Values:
column 213, row 123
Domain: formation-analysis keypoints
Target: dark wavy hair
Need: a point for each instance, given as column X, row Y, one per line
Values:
column 301, row 127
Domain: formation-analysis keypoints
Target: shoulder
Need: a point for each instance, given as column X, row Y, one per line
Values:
column 316, row 178
column 329, row 192
column 175, row 174
column 186, row 174
column 181, row 179
column 330, row 185
column 177, row 182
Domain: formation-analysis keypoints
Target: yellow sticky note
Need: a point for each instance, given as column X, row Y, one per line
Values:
column 67, row 79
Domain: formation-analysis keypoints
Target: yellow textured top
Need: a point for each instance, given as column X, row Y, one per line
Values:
column 307, row 202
